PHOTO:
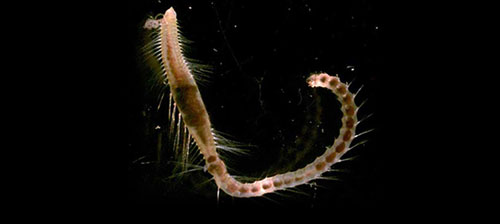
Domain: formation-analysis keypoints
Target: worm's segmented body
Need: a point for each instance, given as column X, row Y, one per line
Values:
column 189, row 102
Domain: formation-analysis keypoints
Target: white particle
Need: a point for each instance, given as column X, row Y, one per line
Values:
column 190, row 7
column 376, row 27
column 235, row 26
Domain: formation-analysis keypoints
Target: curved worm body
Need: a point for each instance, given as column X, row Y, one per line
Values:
column 188, row 99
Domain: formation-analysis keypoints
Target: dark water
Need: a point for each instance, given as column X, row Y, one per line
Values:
column 260, row 57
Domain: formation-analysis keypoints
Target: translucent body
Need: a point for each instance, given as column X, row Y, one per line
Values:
column 194, row 114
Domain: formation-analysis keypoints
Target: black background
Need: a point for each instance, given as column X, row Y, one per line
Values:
column 418, row 63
